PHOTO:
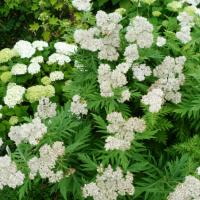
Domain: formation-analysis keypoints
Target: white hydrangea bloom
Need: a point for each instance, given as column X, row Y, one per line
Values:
column 64, row 48
column 19, row 69
column 140, row 31
column 189, row 189
column 34, row 68
column 82, row 5
column 29, row 132
column 9, row 175
column 141, row 71
column 154, row 98
column 45, row 109
column 122, row 131
column 161, row 41
column 24, row 48
column 45, row 164
column 61, row 59
column 37, row 59
column 14, row 95
column 192, row 2
column 78, row 106
column 56, row 76
column 40, row 45
column 109, row 185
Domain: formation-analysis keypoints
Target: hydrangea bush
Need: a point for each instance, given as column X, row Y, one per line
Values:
column 113, row 115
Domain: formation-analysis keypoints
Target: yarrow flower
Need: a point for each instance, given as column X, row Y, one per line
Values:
column 19, row 69
column 186, row 23
column 140, row 32
column 82, row 5
column 45, row 164
column 78, row 106
column 9, row 175
column 24, row 48
column 155, row 99
column 29, row 132
column 161, row 41
column 189, row 189
column 109, row 185
column 141, row 71
column 107, row 30
column 122, row 131
column 56, row 76
column 14, row 95
column 45, row 109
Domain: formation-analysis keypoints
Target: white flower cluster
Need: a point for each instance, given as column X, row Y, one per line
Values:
column 45, row 109
column 166, row 88
column 107, row 30
column 14, row 95
column 140, row 32
column 186, row 23
column 29, row 132
column 192, row 2
column 78, row 106
column 125, row 96
column 171, row 77
column 82, row 5
column 122, row 131
column 131, row 53
column 19, row 69
column 45, row 164
column 26, row 50
column 189, row 189
column 56, row 76
column 63, row 51
column 109, row 185
column 40, row 45
column 109, row 80
column 34, row 68
column 9, row 175
column 141, row 71
column 154, row 98
column 161, row 41
column 37, row 59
